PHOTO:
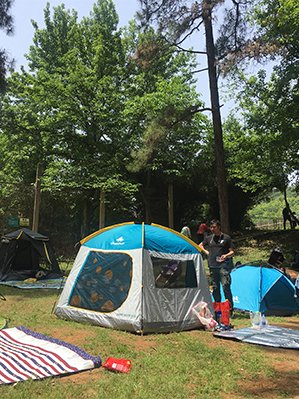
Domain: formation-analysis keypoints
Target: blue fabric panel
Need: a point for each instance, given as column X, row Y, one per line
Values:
column 269, row 278
column 123, row 237
column 129, row 236
column 245, row 288
column 163, row 240
column 281, row 296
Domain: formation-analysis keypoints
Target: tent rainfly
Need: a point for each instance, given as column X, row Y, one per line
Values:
column 21, row 255
column 263, row 288
column 136, row 277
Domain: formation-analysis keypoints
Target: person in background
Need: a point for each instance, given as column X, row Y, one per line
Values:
column 290, row 216
column 219, row 249
column 203, row 231
column 277, row 260
column 186, row 231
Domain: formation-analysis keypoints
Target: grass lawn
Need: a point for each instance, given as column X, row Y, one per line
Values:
column 186, row 365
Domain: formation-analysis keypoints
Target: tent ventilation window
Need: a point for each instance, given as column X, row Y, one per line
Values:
column 173, row 273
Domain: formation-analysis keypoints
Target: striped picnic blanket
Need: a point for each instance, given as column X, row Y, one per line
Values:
column 25, row 354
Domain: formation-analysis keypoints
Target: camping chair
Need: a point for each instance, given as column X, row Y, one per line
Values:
column 169, row 272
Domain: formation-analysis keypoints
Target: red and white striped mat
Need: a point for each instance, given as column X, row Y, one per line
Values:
column 25, row 354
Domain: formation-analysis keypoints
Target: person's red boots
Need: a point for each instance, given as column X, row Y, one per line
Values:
column 222, row 315
column 225, row 312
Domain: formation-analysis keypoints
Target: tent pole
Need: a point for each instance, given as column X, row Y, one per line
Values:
column 142, row 287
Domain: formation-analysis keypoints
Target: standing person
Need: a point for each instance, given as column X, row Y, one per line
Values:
column 290, row 216
column 203, row 231
column 186, row 231
column 219, row 249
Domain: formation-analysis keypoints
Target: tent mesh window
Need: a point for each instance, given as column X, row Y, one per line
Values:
column 103, row 283
column 173, row 273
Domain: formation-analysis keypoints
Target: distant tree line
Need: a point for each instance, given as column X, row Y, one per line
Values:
column 106, row 125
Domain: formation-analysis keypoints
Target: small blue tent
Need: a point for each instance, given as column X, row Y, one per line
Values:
column 263, row 288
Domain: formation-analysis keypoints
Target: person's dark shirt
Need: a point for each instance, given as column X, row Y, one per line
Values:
column 217, row 246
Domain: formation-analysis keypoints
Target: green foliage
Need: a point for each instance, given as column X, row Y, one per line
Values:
column 172, row 138
column 263, row 152
column 6, row 23
column 117, row 110
column 279, row 23
column 98, row 110
column 271, row 208
column 66, row 113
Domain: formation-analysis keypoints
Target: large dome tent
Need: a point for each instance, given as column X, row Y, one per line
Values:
column 136, row 277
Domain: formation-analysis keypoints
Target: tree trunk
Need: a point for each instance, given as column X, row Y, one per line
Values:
column 217, row 125
column 37, row 197
column 170, row 205
column 285, row 194
column 146, row 197
column 147, row 207
column 84, row 230
column 102, row 209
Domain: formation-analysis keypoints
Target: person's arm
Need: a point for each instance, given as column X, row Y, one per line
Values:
column 228, row 255
column 230, row 252
column 202, row 248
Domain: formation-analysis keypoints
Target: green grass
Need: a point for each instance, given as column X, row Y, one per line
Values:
column 187, row 365
column 257, row 245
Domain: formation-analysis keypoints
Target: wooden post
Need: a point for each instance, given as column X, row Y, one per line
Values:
column 102, row 210
column 37, row 197
column 170, row 206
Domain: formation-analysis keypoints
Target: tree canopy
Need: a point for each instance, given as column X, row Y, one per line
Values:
column 6, row 24
column 84, row 111
column 117, row 111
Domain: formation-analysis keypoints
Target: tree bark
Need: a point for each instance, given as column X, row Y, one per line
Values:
column 84, row 229
column 102, row 209
column 146, row 197
column 285, row 194
column 216, row 116
column 170, row 205
column 147, row 207
column 37, row 197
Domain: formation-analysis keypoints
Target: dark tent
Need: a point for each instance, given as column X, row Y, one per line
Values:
column 24, row 253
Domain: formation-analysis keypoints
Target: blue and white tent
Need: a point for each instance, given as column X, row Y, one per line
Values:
column 263, row 288
column 136, row 277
